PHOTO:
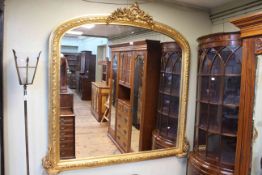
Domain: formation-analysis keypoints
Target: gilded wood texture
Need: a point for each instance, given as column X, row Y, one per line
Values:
column 52, row 162
column 258, row 43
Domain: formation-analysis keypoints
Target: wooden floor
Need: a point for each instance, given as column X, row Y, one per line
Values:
column 91, row 136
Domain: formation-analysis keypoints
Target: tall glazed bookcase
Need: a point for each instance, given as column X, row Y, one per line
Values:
column 217, row 104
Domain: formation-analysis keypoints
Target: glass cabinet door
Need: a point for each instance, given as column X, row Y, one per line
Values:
column 113, row 85
column 219, row 79
column 169, row 94
column 137, row 101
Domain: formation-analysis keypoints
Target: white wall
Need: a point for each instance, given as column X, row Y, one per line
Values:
column 84, row 43
column 28, row 24
column 148, row 35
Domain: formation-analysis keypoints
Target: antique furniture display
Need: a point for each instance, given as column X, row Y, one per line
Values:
column 67, row 117
column 251, row 34
column 73, row 66
column 100, row 93
column 165, row 134
column 136, row 83
column 134, row 17
column 67, row 126
column 113, row 97
column 218, row 104
column 86, row 74
column 106, row 65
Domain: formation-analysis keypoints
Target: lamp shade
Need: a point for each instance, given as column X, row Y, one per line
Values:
column 26, row 67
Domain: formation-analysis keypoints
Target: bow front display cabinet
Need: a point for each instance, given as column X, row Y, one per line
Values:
column 224, row 104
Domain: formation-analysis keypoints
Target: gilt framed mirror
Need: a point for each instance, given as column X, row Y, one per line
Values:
column 120, row 98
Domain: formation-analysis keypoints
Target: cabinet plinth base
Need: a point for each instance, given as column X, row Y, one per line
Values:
column 159, row 142
column 198, row 166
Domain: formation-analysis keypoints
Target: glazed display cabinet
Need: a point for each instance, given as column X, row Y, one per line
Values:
column 217, row 104
column 165, row 134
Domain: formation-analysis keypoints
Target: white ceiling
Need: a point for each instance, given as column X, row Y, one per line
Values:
column 208, row 4
column 109, row 31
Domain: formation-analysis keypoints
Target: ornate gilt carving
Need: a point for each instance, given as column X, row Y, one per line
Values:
column 259, row 45
column 133, row 13
column 137, row 18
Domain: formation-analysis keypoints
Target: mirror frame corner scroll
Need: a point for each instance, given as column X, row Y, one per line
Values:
column 132, row 16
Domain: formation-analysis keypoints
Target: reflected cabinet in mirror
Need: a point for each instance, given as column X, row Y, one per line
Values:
column 118, row 91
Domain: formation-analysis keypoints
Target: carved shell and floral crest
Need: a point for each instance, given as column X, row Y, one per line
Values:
column 133, row 13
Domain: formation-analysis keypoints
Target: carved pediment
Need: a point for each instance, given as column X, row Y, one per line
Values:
column 133, row 13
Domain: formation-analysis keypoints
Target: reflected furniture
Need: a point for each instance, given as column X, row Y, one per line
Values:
column 138, row 67
column 67, row 126
column 67, row 117
column 73, row 66
column 217, row 104
column 106, row 65
column 100, row 93
column 86, row 74
column 113, row 97
column 165, row 134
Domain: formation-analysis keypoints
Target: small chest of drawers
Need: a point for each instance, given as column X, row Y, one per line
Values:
column 67, row 126
column 67, row 135
column 123, row 122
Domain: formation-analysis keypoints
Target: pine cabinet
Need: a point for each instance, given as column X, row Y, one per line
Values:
column 100, row 93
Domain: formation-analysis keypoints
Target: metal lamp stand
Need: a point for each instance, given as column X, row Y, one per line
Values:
column 22, row 68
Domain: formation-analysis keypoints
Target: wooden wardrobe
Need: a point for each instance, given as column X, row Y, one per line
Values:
column 137, row 79
column 86, row 74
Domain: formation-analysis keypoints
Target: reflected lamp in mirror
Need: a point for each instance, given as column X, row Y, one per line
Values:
column 26, row 68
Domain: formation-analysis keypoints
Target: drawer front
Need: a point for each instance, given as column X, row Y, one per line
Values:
column 122, row 141
column 67, row 154
column 67, row 120
column 70, row 145
column 69, row 126
column 123, row 126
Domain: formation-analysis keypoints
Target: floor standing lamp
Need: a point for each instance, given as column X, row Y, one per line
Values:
column 26, row 69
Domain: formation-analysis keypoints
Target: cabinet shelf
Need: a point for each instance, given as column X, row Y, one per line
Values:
column 228, row 133
column 219, row 104
column 220, row 75
column 168, row 114
column 173, row 73
column 169, row 93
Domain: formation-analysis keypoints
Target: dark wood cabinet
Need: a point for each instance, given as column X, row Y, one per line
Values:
column 86, row 74
column 137, row 79
column 106, row 65
column 217, row 104
column 165, row 134
column 67, row 117
column 73, row 63
column 251, row 34
column 67, row 126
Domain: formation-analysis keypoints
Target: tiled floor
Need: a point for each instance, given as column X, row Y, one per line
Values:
column 91, row 136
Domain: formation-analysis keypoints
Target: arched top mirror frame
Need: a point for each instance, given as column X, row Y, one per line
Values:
column 132, row 16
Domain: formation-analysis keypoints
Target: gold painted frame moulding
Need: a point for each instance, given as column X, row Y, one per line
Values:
column 51, row 162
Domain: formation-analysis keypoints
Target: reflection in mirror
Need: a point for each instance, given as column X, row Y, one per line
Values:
column 257, row 135
column 120, row 91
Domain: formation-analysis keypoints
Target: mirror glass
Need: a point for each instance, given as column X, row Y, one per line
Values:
column 119, row 91
column 257, row 144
